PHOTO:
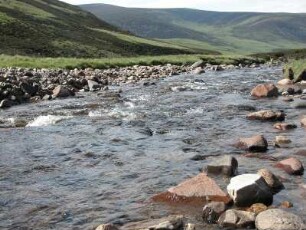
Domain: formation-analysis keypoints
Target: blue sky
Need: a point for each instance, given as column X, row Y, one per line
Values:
column 294, row 6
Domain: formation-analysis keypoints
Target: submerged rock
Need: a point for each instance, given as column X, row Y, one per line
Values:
column 248, row 189
column 284, row 126
column 267, row 115
column 282, row 141
column 226, row 165
column 257, row 208
column 277, row 219
column 195, row 191
column 167, row 223
column 198, row 70
column 265, row 90
column 253, row 144
column 62, row 91
column 237, row 219
column 291, row 166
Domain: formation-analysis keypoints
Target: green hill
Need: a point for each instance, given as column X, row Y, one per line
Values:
column 221, row 31
column 53, row 28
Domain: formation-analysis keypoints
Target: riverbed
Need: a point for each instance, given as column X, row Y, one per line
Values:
column 99, row 157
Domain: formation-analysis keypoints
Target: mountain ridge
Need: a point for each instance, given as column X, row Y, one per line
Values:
column 222, row 31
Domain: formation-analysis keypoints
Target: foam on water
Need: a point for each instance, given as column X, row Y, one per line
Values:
column 47, row 120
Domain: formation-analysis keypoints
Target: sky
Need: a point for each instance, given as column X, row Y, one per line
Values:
column 293, row 6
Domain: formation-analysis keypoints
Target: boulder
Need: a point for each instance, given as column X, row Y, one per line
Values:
column 195, row 191
column 285, row 81
column 291, row 166
column 272, row 181
column 284, row 126
column 257, row 208
column 107, row 227
column 253, row 144
column 167, row 223
column 237, row 219
column 226, row 165
column 61, row 92
column 212, row 211
column 277, row 219
column 267, row 115
column 248, row 189
column 265, row 90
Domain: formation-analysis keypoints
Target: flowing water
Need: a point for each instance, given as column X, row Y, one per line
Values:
column 98, row 158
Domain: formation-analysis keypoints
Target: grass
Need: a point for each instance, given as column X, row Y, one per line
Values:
column 103, row 63
column 298, row 67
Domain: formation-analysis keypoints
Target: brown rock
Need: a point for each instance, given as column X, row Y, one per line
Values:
column 196, row 191
column 272, row 181
column 284, row 126
column 257, row 208
column 285, row 82
column 265, row 90
column 286, row 204
column 226, row 165
column 267, row 115
column 253, row 144
column 301, row 152
column 292, row 166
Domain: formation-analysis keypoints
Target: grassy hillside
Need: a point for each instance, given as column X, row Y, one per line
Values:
column 53, row 28
column 221, row 31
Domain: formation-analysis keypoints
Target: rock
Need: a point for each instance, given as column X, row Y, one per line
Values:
column 272, row 181
column 300, row 104
column 277, row 219
column 194, row 191
column 248, row 189
column 197, row 64
column 168, row 223
column 237, row 219
column 267, row 115
column 303, row 121
column 198, row 70
column 93, row 86
column 286, row 204
column 285, row 82
column 253, row 144
column 190, row 226
column 301, row 152
column 212, row 211
column 288, row 99
column 257, row 208
column 226, row 165
column 107, row 227
column 291, row 165
column 282, row 141
column 5, row 104
column 62, row 91
column 265, row 90
column 284, row 126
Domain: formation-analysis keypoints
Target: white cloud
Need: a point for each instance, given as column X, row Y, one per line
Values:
column 294, row 6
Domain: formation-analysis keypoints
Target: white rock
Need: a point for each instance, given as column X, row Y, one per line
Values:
column 248, row 189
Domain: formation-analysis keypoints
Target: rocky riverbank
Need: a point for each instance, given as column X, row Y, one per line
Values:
column 20, row 85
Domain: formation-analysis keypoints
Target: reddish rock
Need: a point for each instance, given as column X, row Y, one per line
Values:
column 284, row 126
column 292, row 166
column 253, row 144
column 196, row 191
column 286, row 204
column 257, row 208
column 267, row 115
column 272, row 181
column 301, row 152
column 265, row 90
